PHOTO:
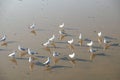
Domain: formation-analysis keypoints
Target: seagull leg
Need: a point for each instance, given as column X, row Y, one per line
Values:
column 106, row 46
column 4, row 44
column 92, row 56
column 31, row 66
column 56, row 60
column 100, row 40
column 33, row 32
column 13, row 60
column 48, row 49
column 80, row 42
column 53, row 44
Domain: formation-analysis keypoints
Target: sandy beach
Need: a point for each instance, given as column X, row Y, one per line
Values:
column 87, row 17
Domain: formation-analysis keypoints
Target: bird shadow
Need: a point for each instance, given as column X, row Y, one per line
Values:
column 61, row 42
column 21, row 58
column 98, row 47
column 40, row 30
column 11, row 42
column 86, row 39
column 101, row 54
column 5, row 50
column 71, row 28
column 115, row 44
column 39, row 63
column 64, row 58
column 83, row 60
column 59, row 66
column 41, row 57
column 107, row 37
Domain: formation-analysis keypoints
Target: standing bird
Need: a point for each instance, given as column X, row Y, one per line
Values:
column 31, row 53
column 52, row 41
column 62, row 35
column 3, row 40
column 100, row 37
column 22, row 51
column 106, row 43
column 47, row 64
column 31, row 63
column 80, row 40
column 12, row 57
column 56, row 56
column 62, row 27
column 72, row 57
column 90, row 44
column 92, row 53
column 32, row 27
column 70, row 42
column 46, row 46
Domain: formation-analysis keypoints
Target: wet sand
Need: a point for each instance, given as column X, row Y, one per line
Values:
column 80, row 16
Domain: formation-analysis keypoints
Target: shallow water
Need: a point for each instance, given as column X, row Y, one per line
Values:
column 85, row 16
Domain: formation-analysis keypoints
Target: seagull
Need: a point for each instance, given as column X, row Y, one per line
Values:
column 31, row 52
column 56, row 56
column 46, row 43
column 62, row 34
column 92, row 51
column 31, row 66
column 90, row 44
column 52, row 38
column 61, row 26
column 70, row 42
column 100, row 37
column 23, row 51
column 80, row 40
column 3, row 39
column 47, row 62
column 32, row 26
column 106, row 43
column 12, row 55
column 99, row 34
column 52, row 41
column 72, row 56
column 21, row 48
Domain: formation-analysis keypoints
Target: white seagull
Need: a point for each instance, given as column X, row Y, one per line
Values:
column 80, row 36
column 3, row 38
column 99, row 34
column 90, row 44
column 72, row 55
column 61, row 26
column 56, row 56
column 52, row 38
column 12, row 55
column 31, row 52
column 46, row 43
column 32, row 26
column 21, row 48
column 47, row 62
column 70, row 41
column 106, row 43
column 80, row 39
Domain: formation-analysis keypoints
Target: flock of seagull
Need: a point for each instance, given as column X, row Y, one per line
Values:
column 31, row 55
